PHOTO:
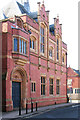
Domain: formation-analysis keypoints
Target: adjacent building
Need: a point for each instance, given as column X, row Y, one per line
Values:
column 33, row 58
column 73, row 85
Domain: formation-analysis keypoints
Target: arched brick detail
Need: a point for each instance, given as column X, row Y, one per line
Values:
column 19, row 75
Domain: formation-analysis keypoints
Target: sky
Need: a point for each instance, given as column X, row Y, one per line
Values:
column 68, row 17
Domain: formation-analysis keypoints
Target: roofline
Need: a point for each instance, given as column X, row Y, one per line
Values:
column 8, row 19
column 5, row 20
column 64, row 43
column 27, row 15
column 21, row 30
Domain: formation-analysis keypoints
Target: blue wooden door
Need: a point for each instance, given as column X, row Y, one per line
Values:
column 16, row 94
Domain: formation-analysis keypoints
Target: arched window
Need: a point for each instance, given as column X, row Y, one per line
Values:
column 33, row 43
column 42, row 39
column 19, row 23
column 51, row 52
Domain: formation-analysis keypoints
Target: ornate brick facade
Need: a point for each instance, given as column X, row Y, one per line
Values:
column 33, row 54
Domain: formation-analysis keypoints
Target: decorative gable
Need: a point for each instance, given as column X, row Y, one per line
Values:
column 43, row 15
column 57, row 26
column 19, row 22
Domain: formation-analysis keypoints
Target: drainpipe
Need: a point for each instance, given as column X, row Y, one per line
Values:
column 29, row 64
column 66, row 74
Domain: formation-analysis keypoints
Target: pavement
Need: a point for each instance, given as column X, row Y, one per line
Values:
column 15, row 114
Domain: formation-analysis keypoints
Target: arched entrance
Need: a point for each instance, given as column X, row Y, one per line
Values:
column 19, row 78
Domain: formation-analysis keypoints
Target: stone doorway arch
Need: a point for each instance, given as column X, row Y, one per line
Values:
column 19, row 75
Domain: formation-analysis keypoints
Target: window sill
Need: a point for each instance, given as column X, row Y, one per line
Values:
column 33, row 91
column 42, row 54
column 51, row 94
column 42, row 95
column 57, row 94
column 51, row 58
column 18, row 53
column 63, row 63
column 57, row 60
column 33, row 50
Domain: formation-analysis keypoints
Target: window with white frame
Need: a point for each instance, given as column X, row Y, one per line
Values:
column 69, row 90
column 77, row 90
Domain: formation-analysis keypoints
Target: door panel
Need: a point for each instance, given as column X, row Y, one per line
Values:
column 16, row 94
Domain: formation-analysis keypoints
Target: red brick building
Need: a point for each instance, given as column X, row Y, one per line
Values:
column 73, row 85
column 33, row 58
